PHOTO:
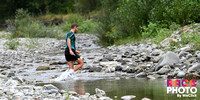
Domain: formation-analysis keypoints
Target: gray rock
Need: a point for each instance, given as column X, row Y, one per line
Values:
column 124, row 69
column 128, row 97
column 195, row 67
column 169, row 58
column 118, row 68
column 100, row 93
column 156, row 52
column 95, row 69
column 146, row 99
column 109, row 63
column 84, row 97
column 74, row 98
column 180, row 74
column 131, row 70
column 42, row 68
column 49, row 87
column 141, row 75
column 164, row 70
column 104, row 98
column 186, row 49
column 110, row 69
column 11, row 74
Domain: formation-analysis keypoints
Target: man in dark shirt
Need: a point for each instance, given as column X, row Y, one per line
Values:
column 71, row 54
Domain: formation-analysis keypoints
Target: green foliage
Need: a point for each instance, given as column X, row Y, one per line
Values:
column 72, row 18
column 85, row 26
column 88, row 26
column 24, row 26
column 179, row 11
column 156, row 32
column 131, row 16
column 193, row 38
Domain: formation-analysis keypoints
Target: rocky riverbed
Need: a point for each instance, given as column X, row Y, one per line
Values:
column 41, row 60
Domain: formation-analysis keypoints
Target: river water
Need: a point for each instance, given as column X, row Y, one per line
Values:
column 116, row 88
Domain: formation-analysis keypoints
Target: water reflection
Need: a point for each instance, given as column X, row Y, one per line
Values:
column 153, row 89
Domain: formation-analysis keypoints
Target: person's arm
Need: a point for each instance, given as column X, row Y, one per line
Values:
column 69, row 46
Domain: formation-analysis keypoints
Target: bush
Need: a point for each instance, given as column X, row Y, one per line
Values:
column 156, row 32
column 85, row 26
column 193, row 38
column 179, row 11
column 24, row 26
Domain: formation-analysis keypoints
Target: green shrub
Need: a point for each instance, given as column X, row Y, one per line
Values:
column 179, row 11
column 24, row 26
column 88, row 26
column 85, row 26
column 156, row 32
column 193, row 38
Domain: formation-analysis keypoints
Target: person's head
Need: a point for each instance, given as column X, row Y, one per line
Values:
column 74, row 27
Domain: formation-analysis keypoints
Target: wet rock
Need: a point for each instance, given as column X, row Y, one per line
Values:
column 128, row 97
column 49, row 87
column 131, row 70
column 100, row 93
column 109, row 63
column 195, row 67
column 11, row 74
column 43, row 68
column 141, row 75
column 95, row 69
column 110, row 69
column 180, row 74
column 124, row 69
column 118, row 68
column 169, row 58
column 164, row 70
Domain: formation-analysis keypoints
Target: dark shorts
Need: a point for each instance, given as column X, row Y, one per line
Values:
column 70, row 57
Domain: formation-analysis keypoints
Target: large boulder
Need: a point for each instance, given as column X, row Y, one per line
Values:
column 170, row 58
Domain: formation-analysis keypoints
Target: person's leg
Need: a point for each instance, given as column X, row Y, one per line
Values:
column 71, row 64
column 80, row 64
